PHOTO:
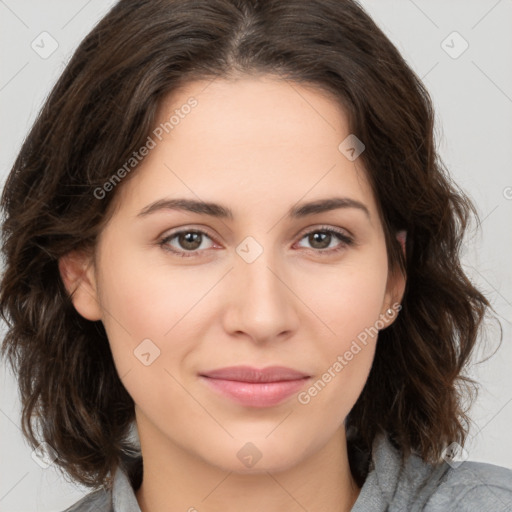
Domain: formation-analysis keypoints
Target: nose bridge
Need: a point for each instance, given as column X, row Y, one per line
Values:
column 257, row 267
column 262, row 301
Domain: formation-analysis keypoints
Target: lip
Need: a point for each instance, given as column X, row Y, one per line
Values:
column 254, row 387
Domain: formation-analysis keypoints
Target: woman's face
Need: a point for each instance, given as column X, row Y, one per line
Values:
column 255, row 289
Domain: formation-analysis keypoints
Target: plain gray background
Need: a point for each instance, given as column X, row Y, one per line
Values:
column 472, row 95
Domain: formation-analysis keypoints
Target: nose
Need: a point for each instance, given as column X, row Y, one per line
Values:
column 260, row 301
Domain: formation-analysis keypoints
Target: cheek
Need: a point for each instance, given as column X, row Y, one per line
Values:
column 345, row 359
column 348, row 298
column 151, row 315
column 134, row 305
column 146, row 297
column 146, row 324
column 349, row 303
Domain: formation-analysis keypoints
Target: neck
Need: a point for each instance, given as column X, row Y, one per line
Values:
column 175, row 479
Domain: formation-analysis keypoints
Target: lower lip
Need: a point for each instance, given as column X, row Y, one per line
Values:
column 256, row 394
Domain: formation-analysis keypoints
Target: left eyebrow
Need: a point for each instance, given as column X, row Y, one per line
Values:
column 219, row 211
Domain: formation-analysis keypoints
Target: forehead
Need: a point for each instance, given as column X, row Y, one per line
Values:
column 259, row 110
column 254, row 140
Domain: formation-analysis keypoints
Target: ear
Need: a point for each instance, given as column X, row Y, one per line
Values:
column 395, row 288
column 77, row 272
column 401, row 236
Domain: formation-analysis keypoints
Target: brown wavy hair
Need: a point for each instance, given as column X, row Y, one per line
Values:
column 103, row 108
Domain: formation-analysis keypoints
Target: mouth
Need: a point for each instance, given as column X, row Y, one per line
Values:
column 253, row 387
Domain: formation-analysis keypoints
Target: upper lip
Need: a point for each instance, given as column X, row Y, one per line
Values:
column 250, row 374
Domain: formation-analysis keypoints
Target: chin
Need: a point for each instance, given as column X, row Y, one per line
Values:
column 259, row 454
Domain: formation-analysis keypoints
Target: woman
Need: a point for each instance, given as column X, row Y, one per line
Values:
column 230, row 233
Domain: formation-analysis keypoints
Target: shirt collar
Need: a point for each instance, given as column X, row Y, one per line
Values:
column 123, row 495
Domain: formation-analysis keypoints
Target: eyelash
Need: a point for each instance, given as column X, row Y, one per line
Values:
column 345, row 240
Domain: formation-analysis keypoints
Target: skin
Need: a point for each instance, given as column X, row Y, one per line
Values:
column 257, row 145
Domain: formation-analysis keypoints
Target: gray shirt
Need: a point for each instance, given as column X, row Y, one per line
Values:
column 389, row 487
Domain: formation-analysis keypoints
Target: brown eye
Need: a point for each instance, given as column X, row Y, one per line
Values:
column 189, row 240
column 321, row 239
column 318, row 239
column 186, row 241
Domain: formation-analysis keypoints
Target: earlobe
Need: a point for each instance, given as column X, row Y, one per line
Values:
column 77, row 273
column 401, row 236
column 393, row 302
